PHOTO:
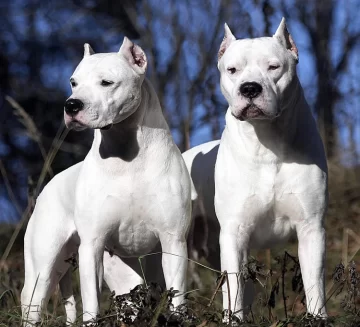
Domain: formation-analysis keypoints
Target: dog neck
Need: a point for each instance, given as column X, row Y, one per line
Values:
column 129, row 138
column 274, row 140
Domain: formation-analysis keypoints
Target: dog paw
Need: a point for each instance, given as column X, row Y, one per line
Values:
column 231, row 319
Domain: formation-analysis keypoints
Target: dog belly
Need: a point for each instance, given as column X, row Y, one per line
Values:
column 133, row 240
column 271, row 232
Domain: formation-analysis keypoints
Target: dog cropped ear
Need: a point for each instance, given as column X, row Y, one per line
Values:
column 134, row 55
column 88, row 51
column 228, row 38
column 285, row 38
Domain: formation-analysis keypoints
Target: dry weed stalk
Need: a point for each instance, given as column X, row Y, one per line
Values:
column 34, row 134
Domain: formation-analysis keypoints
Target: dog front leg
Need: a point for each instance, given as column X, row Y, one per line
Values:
column 311, row 250
column 174, row 263
column 91, row 275
column 234, row 254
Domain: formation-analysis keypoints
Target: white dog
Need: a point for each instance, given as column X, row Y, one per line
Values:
column 271, row 172
column 131, row 191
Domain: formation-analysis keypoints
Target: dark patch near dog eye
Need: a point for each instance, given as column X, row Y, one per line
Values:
column 274, row 67
column 106, row 83
column 231, row 70
column 72, row 82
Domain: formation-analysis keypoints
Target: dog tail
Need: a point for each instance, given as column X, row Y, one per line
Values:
column 188, row 159
column 194, row 194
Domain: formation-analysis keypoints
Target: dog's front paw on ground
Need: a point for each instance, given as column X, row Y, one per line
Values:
column 230, row 319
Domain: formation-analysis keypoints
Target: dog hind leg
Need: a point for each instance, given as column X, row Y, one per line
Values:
column 35, row 295
column 45, row 265
column 67, row 295
column 121, row 275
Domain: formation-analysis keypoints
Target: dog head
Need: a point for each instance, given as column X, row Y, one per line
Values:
column 106, row 87
column 256, row 73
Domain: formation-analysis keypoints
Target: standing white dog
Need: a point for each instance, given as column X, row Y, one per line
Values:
column 131, row 191
column 271, row 173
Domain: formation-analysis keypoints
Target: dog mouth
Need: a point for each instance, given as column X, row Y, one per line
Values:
column 75, row 124
column 106, row 127
column 78, row 122
column 78, row 125
column 251, row 111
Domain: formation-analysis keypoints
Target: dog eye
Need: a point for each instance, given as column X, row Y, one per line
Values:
column 231, row 70
column 72, row 83
column 274, row 67
column 106, row 83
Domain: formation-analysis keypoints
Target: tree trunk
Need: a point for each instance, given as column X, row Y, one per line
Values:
column 326, row 95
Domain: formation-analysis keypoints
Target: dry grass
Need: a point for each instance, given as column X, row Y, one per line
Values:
column 151, row 306
column 279, row 297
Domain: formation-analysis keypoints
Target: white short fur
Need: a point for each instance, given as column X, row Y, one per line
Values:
column 271, row 172
column 131, row 191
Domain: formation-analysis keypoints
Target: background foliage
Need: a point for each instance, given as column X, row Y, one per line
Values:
column 41, row 42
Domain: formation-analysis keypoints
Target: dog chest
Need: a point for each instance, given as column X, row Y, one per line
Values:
column 132, row 239
column 276, row 223
column 267, row 203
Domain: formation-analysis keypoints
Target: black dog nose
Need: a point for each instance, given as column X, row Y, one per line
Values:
column 250, row 89
column 72, row 106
